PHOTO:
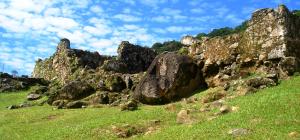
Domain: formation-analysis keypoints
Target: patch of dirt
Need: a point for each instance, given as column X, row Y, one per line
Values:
column 51, row 117
column 127, row 130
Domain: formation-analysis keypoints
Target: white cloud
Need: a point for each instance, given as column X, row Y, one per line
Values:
column 75, row 37
column 153, row 3
column 127, row 18
column 197, row 10
column 11, row 24
column 169, row 11
column 182, row 29
column 221, row 11
column 131, row 2
column 96, row 9
column 234, row 19
column 159, row 30
column 52, row 12
column 62, row 22
column 28, row 5
column 161, row 19
column 102, row 43
column 131, row 27
column 100, row 30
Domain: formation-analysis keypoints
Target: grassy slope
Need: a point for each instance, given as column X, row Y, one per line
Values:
column 270, row 114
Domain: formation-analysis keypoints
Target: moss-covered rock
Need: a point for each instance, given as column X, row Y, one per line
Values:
column 115, row 83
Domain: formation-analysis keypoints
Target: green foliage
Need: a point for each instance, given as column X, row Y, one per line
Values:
column 200, row 35
column 241, row 28
column 297, row 12
column 221, row 32
column 183, row 51
column 224, row 31
column 169, row 46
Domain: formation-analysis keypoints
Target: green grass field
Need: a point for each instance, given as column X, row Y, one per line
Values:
column 271, row 113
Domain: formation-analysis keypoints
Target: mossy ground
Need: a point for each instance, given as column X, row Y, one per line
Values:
column 271, row 113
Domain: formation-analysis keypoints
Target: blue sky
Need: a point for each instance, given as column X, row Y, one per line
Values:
column 31, row 29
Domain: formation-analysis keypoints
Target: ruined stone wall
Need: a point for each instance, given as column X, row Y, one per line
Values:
column 66, row 62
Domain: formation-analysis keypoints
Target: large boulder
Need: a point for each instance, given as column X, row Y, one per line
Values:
column 72, row 91
column 170, row 77
column 136, row 58
column 115, row 66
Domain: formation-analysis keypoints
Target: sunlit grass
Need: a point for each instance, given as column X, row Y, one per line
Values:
column 271, row 113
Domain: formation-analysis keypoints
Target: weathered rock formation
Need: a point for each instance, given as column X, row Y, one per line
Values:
column 189, row 40
column 136, row 58
column 169, row 78
column 9, row 83
column 72, row 91
column 66, row 62
column 270, row 44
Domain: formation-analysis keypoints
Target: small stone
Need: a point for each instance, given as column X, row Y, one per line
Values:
column 130, row 105
column 190, row 100
column 12, row 107
column 234, row 108
column 76, row 104
column 204, row 109
column 32, row 97
column 155, row 122
column 225, row 109
column 211, row 118
column 150, row 130
column 171, row 107
column 217, row 104
column 294, row 134
column 184, row 117
column 238, row 132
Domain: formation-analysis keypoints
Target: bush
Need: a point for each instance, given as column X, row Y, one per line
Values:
column 224, row 31
column 169, row 46
column 200, row 35
column 183, row 51
column 296, row 12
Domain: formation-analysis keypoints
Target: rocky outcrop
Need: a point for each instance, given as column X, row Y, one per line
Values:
column 136, row 58
column 9, row 83
column 169, row 78
column 269, row 43
column 66, row 62
column 189, row 40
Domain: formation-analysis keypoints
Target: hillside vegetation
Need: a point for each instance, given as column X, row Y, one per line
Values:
column 272, row 113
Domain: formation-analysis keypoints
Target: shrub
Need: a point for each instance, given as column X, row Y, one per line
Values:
column 169, row 46
column 296, row 12
column 224, row 31
column 183, row 51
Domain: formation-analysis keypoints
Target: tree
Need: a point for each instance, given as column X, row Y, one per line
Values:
column 14, row 73
column 224, row 31
column 221, row 32
column 296, row 12
column 200, row 35
column 169, row 46
column 241, row 27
